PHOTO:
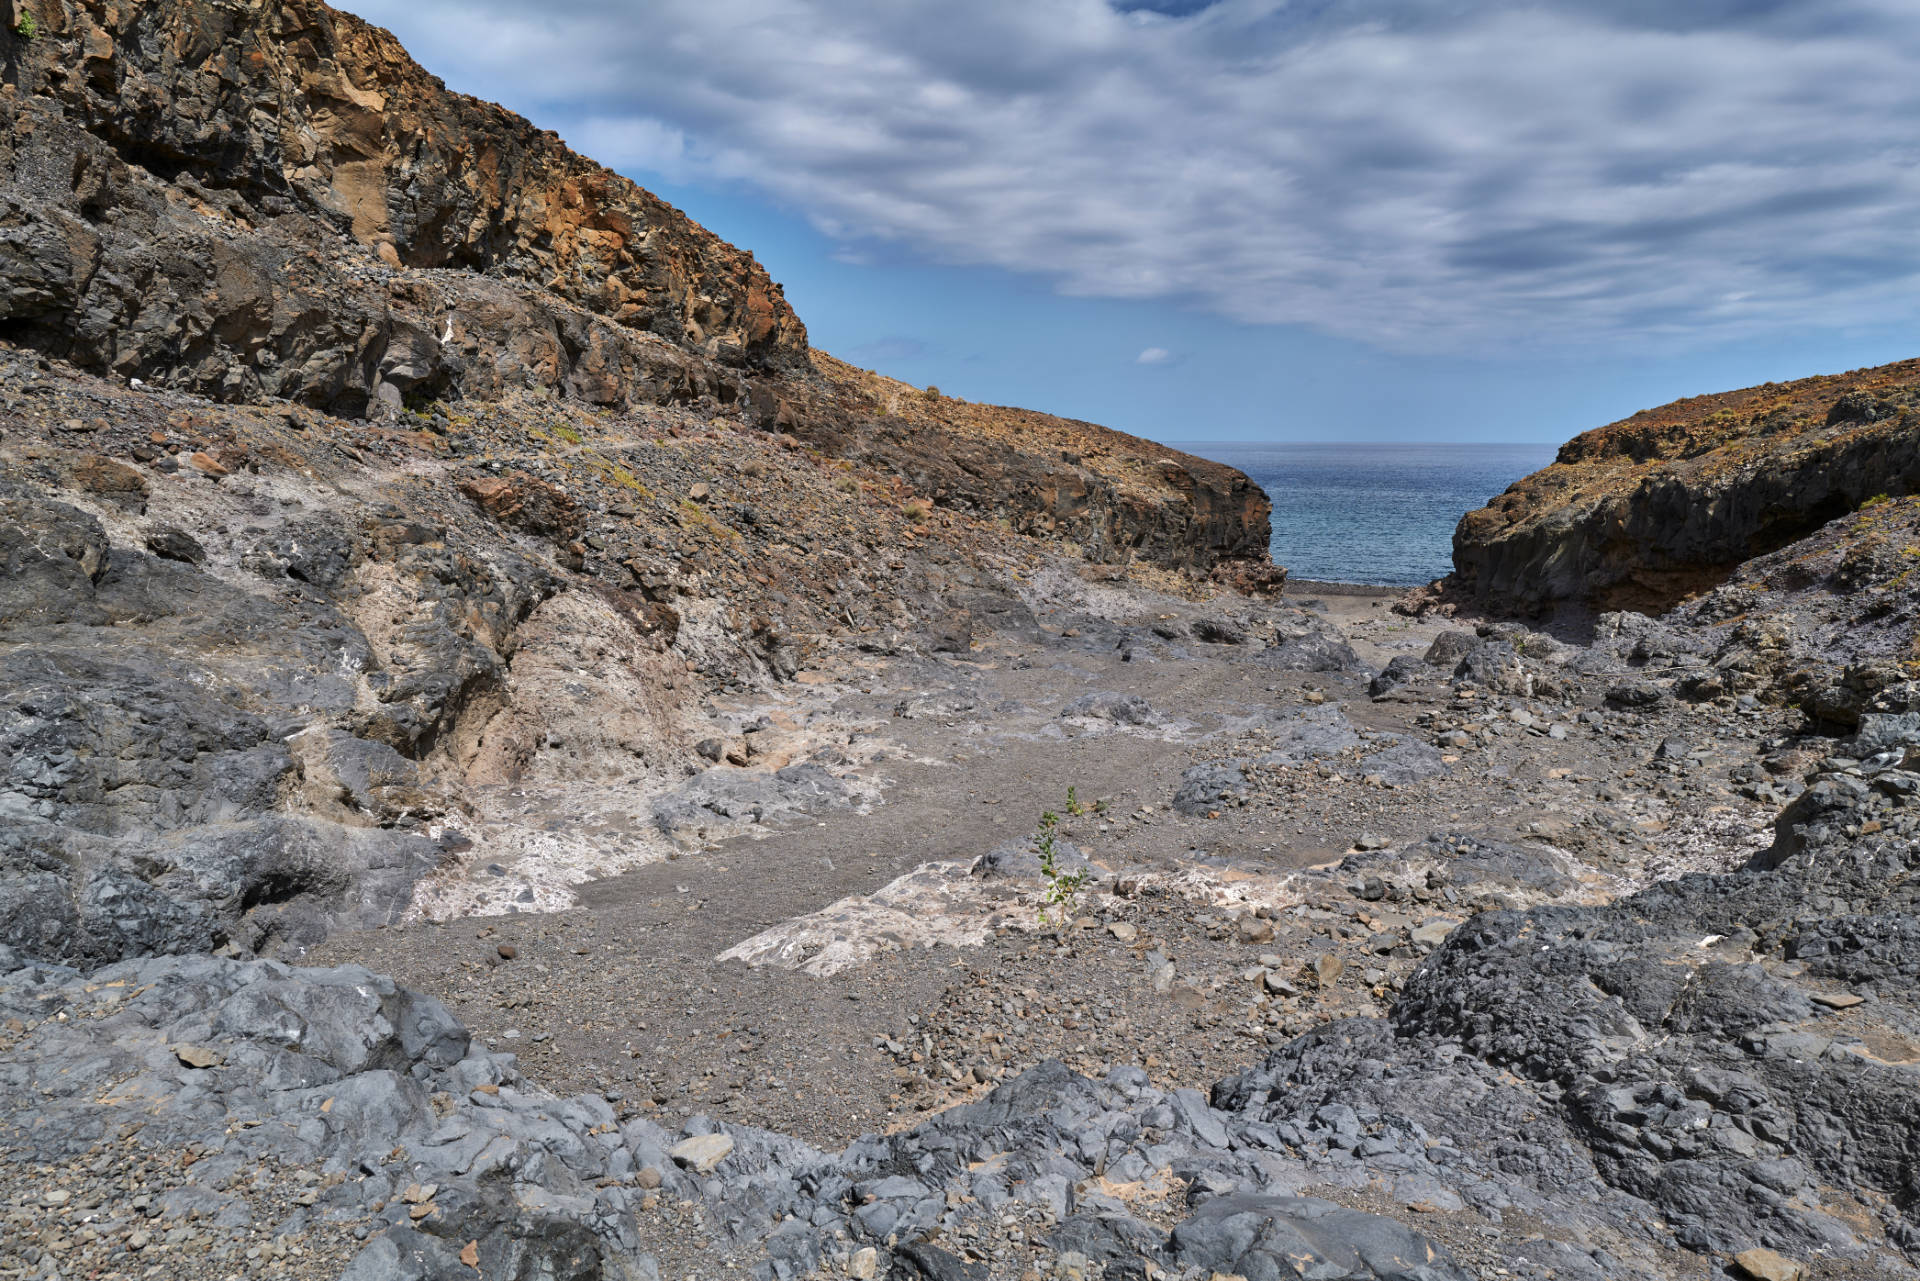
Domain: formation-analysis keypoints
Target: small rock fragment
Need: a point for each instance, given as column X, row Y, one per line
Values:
column 1765, row 1265
column 702, row 1152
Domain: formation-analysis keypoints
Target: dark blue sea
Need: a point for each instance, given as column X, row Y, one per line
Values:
column 1373, row 513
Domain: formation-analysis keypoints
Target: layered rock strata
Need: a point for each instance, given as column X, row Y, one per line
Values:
column 1665, row 504
column 165, row 152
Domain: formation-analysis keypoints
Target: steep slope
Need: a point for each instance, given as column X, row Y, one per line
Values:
column 1096, row 489
column 1665, row 504
column 241, row 117
column 260, row 204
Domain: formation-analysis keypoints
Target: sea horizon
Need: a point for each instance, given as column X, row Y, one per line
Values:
column 1373, row 513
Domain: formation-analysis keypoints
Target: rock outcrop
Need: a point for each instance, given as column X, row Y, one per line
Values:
column 181, row 177
column 1114, row 497
column 278, row 204
column 1665, row 504
column 459, row 1166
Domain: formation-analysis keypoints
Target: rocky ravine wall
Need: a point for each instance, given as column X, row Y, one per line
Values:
column 1114, row 496
column 260, row 113
column 1665, row 504
column 276, row 203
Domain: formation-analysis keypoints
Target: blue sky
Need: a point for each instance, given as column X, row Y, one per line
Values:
column 1245, row 220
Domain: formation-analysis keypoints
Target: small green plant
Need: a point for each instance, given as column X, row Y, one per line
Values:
column 1063, row 888
column 916, row 509
column 26, row 28
column 566, row 433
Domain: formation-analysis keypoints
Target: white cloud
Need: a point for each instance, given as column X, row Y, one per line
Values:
column 1153, row 356
column 1543, row 174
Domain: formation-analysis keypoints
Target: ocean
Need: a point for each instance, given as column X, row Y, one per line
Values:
column 1372, row 513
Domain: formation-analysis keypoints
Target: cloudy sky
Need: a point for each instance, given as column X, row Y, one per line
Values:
column 1324, row 219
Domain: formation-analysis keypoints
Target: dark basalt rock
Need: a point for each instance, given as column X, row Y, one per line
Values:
column 1316, row 653
column 156, row 720
column 1109, row 705
column 1269, row 1238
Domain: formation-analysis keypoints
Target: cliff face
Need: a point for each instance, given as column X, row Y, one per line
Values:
column 274, row 202
column 1660, row 506
column 253, row 201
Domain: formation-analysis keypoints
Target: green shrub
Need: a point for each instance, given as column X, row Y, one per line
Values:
column 1063, row 888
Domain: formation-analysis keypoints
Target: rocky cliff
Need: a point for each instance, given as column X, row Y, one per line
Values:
column 178, row 174
column 1665, row 504
column 1114, row 497
column 276, row 203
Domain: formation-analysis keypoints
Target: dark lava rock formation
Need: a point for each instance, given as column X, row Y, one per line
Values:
column 1645, row 512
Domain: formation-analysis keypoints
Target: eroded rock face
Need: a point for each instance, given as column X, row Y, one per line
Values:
column 1115, row 497
column 1642, row 513
column 279, row 204
column 192, row 764
column 211, row 124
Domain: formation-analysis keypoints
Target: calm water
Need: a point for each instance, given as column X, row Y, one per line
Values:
column 1373, row 513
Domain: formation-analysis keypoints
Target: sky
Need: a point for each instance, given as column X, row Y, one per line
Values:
column 1360, row 220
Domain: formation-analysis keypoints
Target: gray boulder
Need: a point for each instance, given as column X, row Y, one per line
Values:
column 1281, row 1238
column 1109, row 705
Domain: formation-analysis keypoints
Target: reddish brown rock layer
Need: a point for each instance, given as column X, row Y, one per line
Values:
column 1647, row 511
column 1116, row 497
column 296, row 108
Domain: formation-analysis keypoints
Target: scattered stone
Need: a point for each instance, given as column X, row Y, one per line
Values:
column 702, row 1153
column 1765, row 1265
column 175, row 544
column 198, row 1056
